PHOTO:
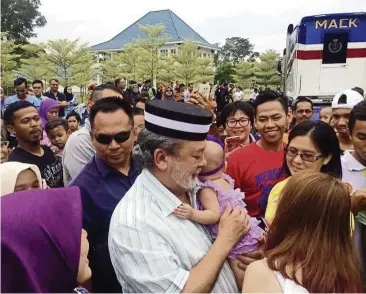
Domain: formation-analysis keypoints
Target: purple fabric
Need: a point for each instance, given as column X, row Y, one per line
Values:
column 46, row 105
column 235, row 198
column 216, row 139
column 40, row 242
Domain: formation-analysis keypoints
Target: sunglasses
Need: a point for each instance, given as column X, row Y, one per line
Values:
column 107, row 139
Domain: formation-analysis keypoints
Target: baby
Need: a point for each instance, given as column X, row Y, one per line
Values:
column 217, row 190
column 57, row 132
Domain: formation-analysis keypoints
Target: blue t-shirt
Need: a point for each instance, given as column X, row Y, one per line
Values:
column 11, row 99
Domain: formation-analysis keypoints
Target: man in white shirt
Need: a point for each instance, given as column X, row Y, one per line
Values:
column 354, row 172
column 239, row 94
column 151, row 249
column 253, row 95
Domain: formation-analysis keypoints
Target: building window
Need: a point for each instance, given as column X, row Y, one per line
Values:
column 173, row 51
column 204, row 55
column 164, row 52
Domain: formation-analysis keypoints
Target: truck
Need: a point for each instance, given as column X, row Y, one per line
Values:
column 325, row 54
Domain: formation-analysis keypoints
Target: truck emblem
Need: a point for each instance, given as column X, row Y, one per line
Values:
column 335, row 46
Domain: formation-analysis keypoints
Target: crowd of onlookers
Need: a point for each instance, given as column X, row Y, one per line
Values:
column 141, row 190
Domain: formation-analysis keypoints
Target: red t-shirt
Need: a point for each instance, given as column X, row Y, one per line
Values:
column 255, row 172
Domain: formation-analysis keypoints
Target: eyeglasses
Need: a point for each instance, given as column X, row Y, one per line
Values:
column 292, row 153
column 4, row 144
column 231, row 123
column 107, row 139
column 301, row 111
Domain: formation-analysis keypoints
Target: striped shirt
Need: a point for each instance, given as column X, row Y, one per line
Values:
column 151, row 249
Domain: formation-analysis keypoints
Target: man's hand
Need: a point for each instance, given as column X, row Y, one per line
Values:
column 62, row 104
column 184, row 211
column 233, row 225
column 358, row 201
column 248, row 258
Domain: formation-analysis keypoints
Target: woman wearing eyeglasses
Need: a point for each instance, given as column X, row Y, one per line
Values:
column 312, row 147
column 238, row 120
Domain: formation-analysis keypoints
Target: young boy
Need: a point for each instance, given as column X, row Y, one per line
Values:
column 73, row 121
column 57, row 133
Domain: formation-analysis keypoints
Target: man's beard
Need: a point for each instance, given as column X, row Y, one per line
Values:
column 182, row 178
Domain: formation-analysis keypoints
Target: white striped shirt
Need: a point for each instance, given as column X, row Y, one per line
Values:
column 151, row 249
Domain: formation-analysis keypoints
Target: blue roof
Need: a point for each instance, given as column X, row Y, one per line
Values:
column 175, row 29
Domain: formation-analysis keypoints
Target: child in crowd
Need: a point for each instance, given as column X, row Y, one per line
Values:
column 57, row 133
column 325, row 114
column 217, row 190
column 73, row 121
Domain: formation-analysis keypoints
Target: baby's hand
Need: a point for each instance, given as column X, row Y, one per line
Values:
column 184, row 211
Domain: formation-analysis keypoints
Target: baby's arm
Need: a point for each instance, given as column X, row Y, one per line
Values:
column 210, row 214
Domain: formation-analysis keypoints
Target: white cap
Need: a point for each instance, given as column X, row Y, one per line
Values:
column 346, row 99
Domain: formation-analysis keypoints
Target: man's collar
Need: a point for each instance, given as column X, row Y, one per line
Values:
column 167, row 201
column 105, row 170
column 352, row 163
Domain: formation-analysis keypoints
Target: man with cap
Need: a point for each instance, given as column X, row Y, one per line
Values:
column 151, row 249
column 342, row 105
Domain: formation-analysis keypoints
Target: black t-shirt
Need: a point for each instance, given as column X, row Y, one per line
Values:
column 49, row 164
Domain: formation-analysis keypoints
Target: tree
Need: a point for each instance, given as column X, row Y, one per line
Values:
column 166, row 72
column 266, row 69
column 8, row 60
column 67, row 59
column 20, row 18
column 112, row 68
column 132, row 60
column 236, row 49
column 33, row 69
column 150, row 45
column 224, row 71
column 244, row 73
column 189, row 66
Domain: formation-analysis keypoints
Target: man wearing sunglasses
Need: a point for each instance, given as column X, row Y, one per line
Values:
column 104, row 181
column 79, row 148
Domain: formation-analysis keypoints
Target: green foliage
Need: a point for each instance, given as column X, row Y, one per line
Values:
column 20, row 18
column 236, row 49
column 68, row 61
column 189, row 66
column 266, row 71
column 150, row 46
column 8, row 60
column 244, row 73
column 225, row 71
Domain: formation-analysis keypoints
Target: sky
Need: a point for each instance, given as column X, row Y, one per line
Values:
column 264, row 22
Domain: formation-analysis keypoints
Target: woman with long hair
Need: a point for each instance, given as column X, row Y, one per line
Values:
column 313, row 147
column 309, row 246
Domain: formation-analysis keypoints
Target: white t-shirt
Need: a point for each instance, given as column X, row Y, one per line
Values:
column 253, row 96
column 354, row 172
column 238, row 95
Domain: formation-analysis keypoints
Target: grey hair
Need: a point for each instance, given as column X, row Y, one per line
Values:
column 148, row 142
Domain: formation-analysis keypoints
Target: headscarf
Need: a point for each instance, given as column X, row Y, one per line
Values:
column 46, row 105
column 41, row 240
column 69, row 96
column 9, row 172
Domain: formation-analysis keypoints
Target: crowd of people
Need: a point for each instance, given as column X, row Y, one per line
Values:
column 171, row 190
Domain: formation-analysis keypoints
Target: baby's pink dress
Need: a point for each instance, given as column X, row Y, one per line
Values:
column 249, row 243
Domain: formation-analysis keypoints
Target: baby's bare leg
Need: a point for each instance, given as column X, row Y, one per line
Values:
column 238, row 273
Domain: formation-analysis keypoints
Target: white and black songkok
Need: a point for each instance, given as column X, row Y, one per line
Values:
column 177, row 120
